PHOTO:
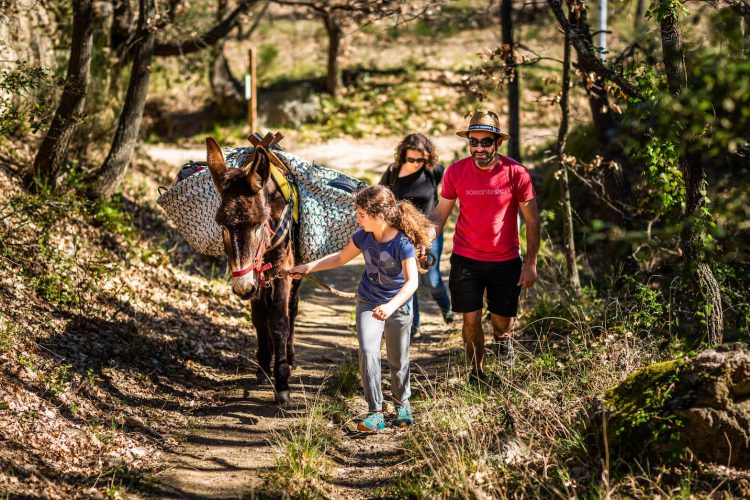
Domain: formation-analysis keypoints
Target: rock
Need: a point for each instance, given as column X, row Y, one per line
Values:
column 663, row 411
column 290, row 107
column 514, row 451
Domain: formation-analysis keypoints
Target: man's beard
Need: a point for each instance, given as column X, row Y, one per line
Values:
column 484, row 161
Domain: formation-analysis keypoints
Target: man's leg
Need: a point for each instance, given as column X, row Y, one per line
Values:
column 502, row 330
column 501, row 325
column 474, row 342
column 467, row 286
column 502, row 301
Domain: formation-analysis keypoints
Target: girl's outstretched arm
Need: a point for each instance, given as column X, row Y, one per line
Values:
column 409, row 266
column 330, row 261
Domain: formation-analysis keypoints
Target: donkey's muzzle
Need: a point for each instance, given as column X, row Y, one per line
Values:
column 247, row 293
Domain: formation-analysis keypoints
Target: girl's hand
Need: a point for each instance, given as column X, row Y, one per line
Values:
column 297, row 272
column 383, row 312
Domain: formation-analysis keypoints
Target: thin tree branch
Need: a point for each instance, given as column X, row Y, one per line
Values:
column 208, row 38
column 584, row 51
column 741, row 7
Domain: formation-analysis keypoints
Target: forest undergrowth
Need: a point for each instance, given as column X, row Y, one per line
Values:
column 523, row 432
column 112, row 333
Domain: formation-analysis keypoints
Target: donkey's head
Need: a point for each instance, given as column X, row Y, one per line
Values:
column 243, row 215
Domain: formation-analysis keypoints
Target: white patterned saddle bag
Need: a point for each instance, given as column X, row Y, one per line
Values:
column 327, row 217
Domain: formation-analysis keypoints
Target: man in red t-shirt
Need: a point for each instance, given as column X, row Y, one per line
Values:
column 491, row 189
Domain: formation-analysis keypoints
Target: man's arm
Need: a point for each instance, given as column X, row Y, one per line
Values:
column 530, row 214
column 440, row 214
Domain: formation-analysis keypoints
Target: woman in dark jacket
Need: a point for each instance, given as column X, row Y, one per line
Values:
column 415, row 176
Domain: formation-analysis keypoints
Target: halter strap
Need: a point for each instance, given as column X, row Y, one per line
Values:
column 257, row 263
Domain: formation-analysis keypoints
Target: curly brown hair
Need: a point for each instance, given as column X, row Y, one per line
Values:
column 378, row 200
column 417, row 142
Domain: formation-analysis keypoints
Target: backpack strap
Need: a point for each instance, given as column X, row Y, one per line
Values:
column 390, row 176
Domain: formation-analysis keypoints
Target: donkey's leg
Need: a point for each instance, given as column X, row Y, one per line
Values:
column 260, row 313
column 279, row 326
column 293, row 308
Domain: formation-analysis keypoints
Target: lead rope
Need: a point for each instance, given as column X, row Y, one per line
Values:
column 426, row 260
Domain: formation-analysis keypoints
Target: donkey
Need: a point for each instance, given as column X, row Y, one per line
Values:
column 251, row 207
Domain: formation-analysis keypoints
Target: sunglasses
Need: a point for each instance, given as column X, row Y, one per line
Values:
column 415, row 160
column 486, row 142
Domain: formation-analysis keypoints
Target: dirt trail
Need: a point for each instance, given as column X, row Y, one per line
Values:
column 341, row 154
column 230, row 448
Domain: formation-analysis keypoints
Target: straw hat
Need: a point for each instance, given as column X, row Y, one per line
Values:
column 485, row 121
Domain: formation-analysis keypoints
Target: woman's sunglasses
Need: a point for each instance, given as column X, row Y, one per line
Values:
column 486, row 142
column 415, row 160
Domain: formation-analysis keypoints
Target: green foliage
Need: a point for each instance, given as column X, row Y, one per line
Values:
column 663, row 183
column 111, row 215
column 59, row 380
column 267, row 56
column 37, row 236
column 445, row 20
column 8, row 334
column 661, row 9
column 373, row 110
column 345, row 380
column 714, row 110
column 26, row 107
column 734, row 281
column 662, row 188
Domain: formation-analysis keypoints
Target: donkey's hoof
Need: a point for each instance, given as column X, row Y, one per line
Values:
column 282, row 397
column 262, row 379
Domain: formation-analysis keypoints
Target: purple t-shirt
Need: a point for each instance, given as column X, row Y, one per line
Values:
column 384, row 275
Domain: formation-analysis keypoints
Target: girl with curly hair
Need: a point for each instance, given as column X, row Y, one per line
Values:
column 389, row 231
column 414, row 176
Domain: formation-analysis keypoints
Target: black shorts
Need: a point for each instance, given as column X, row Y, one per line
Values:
column 469, row 279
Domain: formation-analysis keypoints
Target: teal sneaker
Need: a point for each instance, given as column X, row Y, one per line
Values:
column 372, row 423
column 404, row 417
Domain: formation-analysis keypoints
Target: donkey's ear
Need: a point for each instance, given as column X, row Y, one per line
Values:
column 259, row 171
column 215, row 160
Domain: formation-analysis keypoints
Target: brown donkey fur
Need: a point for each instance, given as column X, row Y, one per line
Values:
column 250, row 201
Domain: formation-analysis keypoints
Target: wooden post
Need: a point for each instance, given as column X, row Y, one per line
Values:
column 251, row 93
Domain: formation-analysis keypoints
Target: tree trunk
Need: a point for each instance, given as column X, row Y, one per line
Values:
column 120, row 32
column 606, row 123
column 693, row 228
column 225, row 89
column 113, row 170
column 574, row 281
column 54, row 148
column 640, row 10
column 514, row 91
column 122, row 19
column 603, row 27
column 335, row 34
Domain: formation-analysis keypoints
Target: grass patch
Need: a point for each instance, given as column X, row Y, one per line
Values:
column 301, row 453
column 344, row 381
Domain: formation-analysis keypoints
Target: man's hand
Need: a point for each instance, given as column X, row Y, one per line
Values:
column 528, row 275
column 383, row 312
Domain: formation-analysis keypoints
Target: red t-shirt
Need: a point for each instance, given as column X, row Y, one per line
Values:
column 487, row 228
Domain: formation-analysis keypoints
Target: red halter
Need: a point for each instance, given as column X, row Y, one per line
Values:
column 257, row 263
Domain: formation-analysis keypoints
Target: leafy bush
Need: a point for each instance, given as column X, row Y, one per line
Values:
column 24, row 94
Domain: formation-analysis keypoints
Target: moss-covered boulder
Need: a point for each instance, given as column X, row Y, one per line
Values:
column 667, row 411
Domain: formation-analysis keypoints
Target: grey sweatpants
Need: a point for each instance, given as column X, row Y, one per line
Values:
column 370, row 334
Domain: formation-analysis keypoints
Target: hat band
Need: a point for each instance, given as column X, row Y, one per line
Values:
column 488, row 128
